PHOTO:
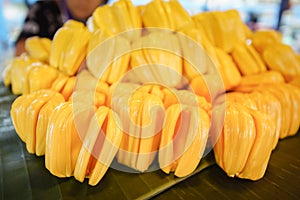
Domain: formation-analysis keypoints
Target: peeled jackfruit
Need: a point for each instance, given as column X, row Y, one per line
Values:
column 38, row 48
column 288, row 98
column 184, row 138
column 246, row 142
column 119, row 17
column 163, row 14
column 223, row 28
column 27, row 108
column 250, row 82
column 18, row 73
column 41, row 76
column 108, row 58
column 247, row 59
column 156, row 58
column 67, row 52
column 261, row 39
column 101, row 143
column 266, row 103
column 281, row 57
column 142, row 116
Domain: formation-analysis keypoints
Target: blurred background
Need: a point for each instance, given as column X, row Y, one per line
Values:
column 258, row 14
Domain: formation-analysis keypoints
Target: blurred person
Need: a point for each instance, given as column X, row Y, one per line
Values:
column 253, row 21
column 44, row 18
column 284, row 5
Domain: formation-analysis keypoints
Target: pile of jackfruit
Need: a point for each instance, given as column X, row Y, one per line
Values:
column 151, row 83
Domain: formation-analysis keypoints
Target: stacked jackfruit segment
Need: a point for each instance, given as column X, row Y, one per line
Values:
column 81, row 140
column 269, row 113
column 145, row 84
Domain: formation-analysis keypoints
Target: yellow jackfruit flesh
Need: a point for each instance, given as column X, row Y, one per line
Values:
column 69, row 47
